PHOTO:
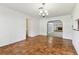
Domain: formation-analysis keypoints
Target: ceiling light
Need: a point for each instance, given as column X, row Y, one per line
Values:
column 42, row 11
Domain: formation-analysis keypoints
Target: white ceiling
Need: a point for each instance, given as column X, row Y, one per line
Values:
column 54, row 9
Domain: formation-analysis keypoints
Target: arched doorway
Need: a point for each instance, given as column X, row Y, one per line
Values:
column 55, row 28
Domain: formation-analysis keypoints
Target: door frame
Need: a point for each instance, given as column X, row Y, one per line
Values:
column 26, row 28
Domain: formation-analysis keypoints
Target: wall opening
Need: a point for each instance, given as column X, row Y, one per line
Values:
column 55, row 28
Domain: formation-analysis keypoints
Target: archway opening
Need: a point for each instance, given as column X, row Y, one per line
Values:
column 55, row 28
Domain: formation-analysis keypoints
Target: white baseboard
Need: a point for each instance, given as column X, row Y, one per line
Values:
column 12, row 42
column 76, row 46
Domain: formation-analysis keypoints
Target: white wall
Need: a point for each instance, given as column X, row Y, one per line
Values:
column 33, row 27
column 50, row 27
column 12, row 26
column 76, row 33
column 67, row 25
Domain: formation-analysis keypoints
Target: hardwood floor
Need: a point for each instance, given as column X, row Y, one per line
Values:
column 40, row 45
